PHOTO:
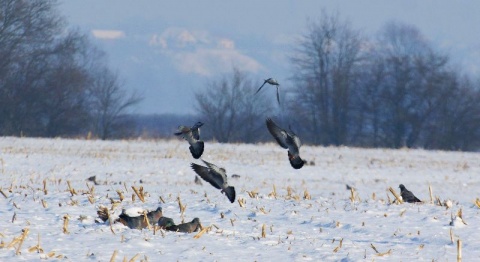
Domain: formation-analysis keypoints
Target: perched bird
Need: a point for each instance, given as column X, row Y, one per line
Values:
column 215, row 176
column 272, row 82
column 287, row 140
column 186, row 227
column 407, row 195
column 140, row 222
column 192, row 135
column 165, row 222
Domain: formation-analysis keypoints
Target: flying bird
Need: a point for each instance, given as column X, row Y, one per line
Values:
column 272, row 82
column 287, row 140
column 216, row 176
column 407, row 195
column 186, row 227
column 140, row 221
column 192, row 135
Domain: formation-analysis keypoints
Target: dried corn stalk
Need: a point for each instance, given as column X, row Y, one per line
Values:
column 71, row 189
column 139, row 193
column 65, row 224
column 399, row 199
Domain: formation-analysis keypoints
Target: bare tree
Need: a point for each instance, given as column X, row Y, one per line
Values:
column 231, row 109
column 325, row 65
column 110, row 102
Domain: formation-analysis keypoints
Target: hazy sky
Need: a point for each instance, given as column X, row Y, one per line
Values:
column 168, row 50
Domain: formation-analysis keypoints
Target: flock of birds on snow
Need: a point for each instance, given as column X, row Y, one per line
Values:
column 217, row 176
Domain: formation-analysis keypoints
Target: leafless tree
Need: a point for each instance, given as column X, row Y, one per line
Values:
column 231, row 109
column 325, row 63
column 110, row 102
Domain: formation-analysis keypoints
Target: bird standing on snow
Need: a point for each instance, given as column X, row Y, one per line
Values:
column 186, row 227
column 140, row 222
column 165, row 222
column 287, row 140
column 192, row 135
column 407, row 195
column 272, row 82
column 215, row 176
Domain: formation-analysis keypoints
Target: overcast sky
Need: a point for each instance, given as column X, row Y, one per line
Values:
column 168, row 50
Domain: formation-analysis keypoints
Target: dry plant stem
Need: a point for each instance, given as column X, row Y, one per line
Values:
column 134, row 258
column 71, row 189
column 431, row 193
column 395, row 195
column 24, row 235
column 65, row 224
column 459, row 250
column 139, row 193
column 114, row 255
column 451, row 236
column 4, row 195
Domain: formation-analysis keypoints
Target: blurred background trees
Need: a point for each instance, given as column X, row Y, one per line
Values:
column 394, row 89
column 232, row 110
column 49, row 81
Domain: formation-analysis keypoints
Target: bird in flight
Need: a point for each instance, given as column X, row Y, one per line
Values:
column 287, row 140
column 272, row 82
column 407, row 195
column 192, row 135
column 216, row 176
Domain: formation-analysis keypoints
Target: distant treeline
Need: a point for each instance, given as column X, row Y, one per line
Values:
column 391, row 90
column 53, row 81
column 395, row 90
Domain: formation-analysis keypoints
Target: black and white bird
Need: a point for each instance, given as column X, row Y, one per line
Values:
column 217, row 176
column 407, row 195
column 192, row 135
column 272, row 82
column 287, row 140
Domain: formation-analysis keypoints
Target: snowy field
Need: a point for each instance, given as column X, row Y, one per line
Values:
column 281, row 214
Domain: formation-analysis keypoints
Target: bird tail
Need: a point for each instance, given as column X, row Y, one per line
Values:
column 230, row 192
column 197, row 149
column 295, row 161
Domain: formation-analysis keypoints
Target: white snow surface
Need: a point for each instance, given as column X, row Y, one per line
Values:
column 326, row 225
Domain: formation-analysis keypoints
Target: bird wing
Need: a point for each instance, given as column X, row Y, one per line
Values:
column 278, row 96
column 186, row 133
column 217, row 172
column 204, row 172
column 261, row 86
column 279, row 134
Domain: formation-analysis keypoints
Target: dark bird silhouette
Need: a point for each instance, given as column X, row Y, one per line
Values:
column 272, row 82
column 139, row 222
column 287, row 140
column 407, row 195
column 186, row 227
column 192, row 135
column 165, row 222
column 216, row 176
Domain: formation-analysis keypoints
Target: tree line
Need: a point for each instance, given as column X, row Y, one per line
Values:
column 53, row 81
column 393, row 90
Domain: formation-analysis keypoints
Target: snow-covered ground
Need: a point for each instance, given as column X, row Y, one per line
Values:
column 306, row 214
